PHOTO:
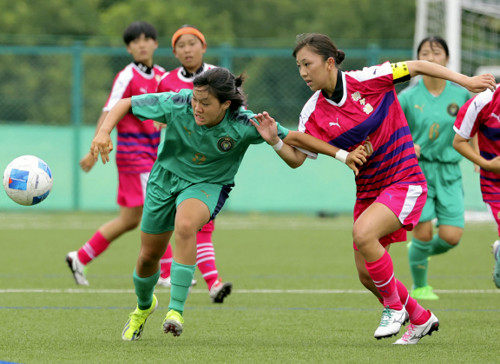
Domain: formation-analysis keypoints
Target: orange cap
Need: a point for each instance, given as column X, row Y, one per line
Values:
column 187, row 30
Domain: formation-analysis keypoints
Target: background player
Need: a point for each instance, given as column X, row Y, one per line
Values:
column 137, row 145
column 481, row 116
column 189, row 46
column 430, row 107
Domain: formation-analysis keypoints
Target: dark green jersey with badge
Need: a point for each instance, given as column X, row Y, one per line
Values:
column 193, row 152
column 431, row 119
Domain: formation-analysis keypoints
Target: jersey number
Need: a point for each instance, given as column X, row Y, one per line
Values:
column 199, row 158
column 434, row 131
column 368, row 146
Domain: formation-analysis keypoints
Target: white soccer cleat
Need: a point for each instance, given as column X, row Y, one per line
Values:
column 496, row 270
column 407, row 318
column 165, row 282
column 415, row 332
column 220, row 290
column 77, row 268
column 390, row 323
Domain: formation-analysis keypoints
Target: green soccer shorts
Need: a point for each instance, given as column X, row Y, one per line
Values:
column 165, row 191
column 445, row 193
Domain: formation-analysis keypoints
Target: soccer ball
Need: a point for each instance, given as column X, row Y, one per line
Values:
column 27, row 180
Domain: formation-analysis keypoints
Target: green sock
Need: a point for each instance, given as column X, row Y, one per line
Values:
column 418, row 255
column 181, row 276
column 439, row 246
column 144, row 288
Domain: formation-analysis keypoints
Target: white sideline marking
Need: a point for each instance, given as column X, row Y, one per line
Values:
column 252, row 291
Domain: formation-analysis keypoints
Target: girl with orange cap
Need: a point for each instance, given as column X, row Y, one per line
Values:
column 189, row 46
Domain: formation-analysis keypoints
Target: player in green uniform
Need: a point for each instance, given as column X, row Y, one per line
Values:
column 208, row 131
column 431, row 107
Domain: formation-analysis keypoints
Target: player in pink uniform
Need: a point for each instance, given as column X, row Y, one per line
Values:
column 137, row 144
column 189, row 46
column 481, row 115
column 355, row 108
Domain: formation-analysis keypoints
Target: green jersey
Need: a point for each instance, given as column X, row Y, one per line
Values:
column 431, row 119
column 193, row 152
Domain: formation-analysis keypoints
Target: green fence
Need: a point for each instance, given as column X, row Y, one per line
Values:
column 51, row 97
column 264, row 182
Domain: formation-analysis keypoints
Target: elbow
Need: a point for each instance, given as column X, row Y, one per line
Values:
column 295, row 164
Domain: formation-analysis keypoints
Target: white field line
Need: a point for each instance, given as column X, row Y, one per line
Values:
column 251, row 291
column 74, row 221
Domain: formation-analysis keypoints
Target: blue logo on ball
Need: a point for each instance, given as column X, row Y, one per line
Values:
column 18, row 179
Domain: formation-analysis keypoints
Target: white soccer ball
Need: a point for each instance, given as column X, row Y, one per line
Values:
column 27, row 180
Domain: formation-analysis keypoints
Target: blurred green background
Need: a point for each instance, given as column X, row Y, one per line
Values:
column 58, row 59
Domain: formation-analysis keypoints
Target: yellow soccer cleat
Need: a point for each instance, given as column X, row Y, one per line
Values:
column 173, row 323
column 137, row 319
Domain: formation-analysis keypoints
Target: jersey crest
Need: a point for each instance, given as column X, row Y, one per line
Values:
column 225, row 144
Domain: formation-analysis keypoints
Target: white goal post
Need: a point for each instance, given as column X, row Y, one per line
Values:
column 471, row 29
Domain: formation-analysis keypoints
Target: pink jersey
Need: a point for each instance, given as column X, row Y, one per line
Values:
column 368, row 113
column 177, row 79
column 481, row 115
column 137, row 141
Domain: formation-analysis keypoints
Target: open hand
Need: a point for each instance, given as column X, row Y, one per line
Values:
column 355, row 158
column 481, row 82
column 101, row 144
column 267, row 127
column 87, row 162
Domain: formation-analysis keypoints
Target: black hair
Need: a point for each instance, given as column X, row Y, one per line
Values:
column 434, row 39
column 223, row 85
column 321, row 45
column 137, row 28
column 187, row 26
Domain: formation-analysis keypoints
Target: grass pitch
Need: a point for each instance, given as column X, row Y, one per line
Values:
column 296, row 297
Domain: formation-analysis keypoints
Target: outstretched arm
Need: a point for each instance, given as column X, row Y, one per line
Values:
column 268, row 130
column 102, row 141
column 88, row 161
column 463, row 147
column 473, row 84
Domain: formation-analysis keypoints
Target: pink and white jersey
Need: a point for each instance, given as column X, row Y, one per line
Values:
column 137, row 141
column 481, row 115
column 368, row 113
column 176, row 79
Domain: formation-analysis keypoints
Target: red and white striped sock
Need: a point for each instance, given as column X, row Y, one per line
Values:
column 205, row 258
column 93, row 248
column 382, row 273
column 418, row 314
column 166, row 262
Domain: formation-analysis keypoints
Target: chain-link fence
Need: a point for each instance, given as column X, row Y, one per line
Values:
column 69, row 85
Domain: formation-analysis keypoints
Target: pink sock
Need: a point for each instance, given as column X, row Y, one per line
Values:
column 418, row 315
column 382, row 273
column 166, row 262
column 205, row 258
column 93, row 248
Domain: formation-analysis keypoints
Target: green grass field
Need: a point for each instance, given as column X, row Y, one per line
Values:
column 296, row 297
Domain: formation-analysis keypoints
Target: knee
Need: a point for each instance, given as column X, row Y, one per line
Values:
column 453, row 241
column 148, row 258
column 451, row 237
column 425, row 237
column 361, row 236
column 131, row 223
column 184, row 228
